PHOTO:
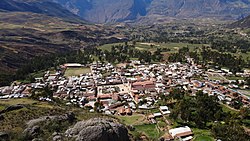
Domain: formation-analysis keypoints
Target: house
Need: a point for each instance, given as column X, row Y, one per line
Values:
column 73, row 65
column 156, row 115
column 183, row 133
column 164, row 110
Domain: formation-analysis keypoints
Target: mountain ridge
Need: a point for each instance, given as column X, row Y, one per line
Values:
column 107, row 11
column 45, row 7
column 243, row 23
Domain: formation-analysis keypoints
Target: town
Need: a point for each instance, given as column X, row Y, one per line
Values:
column 127, row 88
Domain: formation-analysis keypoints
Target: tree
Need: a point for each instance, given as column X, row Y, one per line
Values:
column 229, row 132
column 177, row 94
column 45, row 92
column 200, row 109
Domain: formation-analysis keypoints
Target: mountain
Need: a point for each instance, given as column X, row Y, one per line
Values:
column 31, row 28
column 26, row 35
column 243, row 23
column 38, row 6
column 146, row 11
column 104, row 11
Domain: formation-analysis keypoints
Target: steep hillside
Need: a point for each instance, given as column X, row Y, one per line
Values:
column 106, row 10
column 26, row 35
column 39, row 7
column 244, row 23
column 119, row 10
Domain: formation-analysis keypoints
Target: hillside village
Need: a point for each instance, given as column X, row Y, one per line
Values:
column 127, row 88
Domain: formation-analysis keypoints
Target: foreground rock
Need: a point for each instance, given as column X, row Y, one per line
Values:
column 4, row 136
column 11, row 108
column 98, row 129
column 33, row 129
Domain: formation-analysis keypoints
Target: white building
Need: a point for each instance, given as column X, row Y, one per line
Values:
column 184, row 133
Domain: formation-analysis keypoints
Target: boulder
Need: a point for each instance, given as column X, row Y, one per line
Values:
column 4, row 136
column 32, row 131
column 98, row 129
column 57, row 138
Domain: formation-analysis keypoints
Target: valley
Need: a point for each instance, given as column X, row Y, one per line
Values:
column 115, row 70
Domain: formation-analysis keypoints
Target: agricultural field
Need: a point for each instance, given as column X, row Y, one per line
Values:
column 173, row 47
column 216, row 76
column 76, row 71
column 235, row 78
column 132, row 120
column 142, row 126
column 150, row 130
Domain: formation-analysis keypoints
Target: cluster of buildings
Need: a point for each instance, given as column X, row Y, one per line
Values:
column 124, row 88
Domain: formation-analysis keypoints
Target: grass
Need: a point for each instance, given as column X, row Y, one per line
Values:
column 109, row 46
column 14, row 122
column 131, row 120
column 244, row 55
column 150, row 130
column 202, row 135
column 162, row 124
column 2, row 107
column 76, row 71
column 234, row 78
column 174, row 47
column 24, row 101
column 203, row 138
column 226, row 108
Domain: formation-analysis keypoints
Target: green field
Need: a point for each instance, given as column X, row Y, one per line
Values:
column 150, row 130
column 203, row 138
column 2, row 107
column 131, row 120
column 76, row 71
column 24, row 101
column 108, row 46
column 17, row 101
column 202, row 135
column 226, row 108
column 234, row 78
column 174, row 47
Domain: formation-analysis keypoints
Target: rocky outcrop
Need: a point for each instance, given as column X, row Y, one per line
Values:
column 33, row 129
column 11, row 108
column 98, row 129
column 4, row 136
column 95, row 129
